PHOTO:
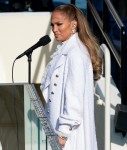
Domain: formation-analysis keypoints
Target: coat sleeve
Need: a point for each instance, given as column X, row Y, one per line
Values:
column 72, row 111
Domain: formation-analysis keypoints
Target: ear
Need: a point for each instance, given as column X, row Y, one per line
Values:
column 74, row 24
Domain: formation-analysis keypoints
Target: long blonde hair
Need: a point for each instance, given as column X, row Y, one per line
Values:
column 85, row 35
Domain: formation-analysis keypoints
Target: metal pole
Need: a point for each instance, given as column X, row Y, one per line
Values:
column 123, row 67
column 107, row 95
column 29, row 67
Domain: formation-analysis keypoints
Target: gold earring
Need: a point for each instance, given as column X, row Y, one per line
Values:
column 73, row 31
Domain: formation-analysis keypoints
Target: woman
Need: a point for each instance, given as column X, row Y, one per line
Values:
column 68, row 83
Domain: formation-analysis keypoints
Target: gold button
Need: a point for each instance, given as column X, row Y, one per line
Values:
column 55, row 84
column 57, row 75
column 70, row 128
column 52, row 92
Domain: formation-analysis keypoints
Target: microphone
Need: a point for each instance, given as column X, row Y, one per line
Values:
column 42, row 42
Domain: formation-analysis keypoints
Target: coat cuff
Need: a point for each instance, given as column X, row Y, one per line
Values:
column 64, row 130
column 66, row 126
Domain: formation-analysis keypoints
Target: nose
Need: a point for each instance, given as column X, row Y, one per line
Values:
column 54, row 28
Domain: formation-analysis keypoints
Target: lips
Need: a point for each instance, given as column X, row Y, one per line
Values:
column 56, row 35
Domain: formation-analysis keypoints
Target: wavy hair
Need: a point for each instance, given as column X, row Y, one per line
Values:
column 85, row 35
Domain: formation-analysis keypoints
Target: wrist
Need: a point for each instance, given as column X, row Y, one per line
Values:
column 62, row 137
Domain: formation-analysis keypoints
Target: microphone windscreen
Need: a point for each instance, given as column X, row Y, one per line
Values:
column 44, row 40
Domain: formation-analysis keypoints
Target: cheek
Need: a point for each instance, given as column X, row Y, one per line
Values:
column 62, row 29
column 66, row 30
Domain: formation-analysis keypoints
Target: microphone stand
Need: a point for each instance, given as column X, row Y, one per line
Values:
column 29, row 56
column 29, row 66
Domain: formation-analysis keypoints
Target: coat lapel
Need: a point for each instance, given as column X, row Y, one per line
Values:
column 59, row 60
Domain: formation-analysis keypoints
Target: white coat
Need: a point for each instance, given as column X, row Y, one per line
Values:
column 68, row 91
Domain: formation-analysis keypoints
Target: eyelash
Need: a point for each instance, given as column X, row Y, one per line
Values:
column 58, row 24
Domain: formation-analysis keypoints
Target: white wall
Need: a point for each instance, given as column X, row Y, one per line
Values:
column 18, row 32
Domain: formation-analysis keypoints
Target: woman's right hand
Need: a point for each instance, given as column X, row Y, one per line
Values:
column 61, row 141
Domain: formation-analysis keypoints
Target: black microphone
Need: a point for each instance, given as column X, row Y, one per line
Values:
column 42, row 42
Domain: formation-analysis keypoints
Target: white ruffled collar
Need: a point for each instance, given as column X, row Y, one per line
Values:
column 58, row 50
column 61, row 45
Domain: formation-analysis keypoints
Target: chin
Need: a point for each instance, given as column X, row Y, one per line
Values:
column 58, row 39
